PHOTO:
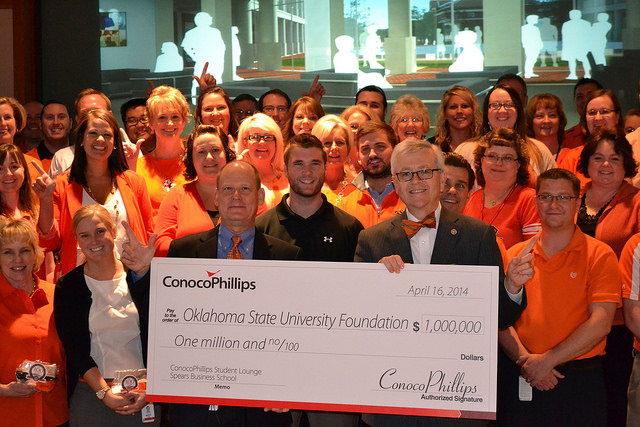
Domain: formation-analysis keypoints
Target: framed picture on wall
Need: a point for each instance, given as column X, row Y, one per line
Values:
column 113, row 29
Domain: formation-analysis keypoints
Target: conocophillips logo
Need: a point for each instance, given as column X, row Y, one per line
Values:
column 213, row 281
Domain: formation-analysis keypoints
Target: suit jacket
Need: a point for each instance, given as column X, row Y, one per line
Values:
column 205, row 245
column 460, row 240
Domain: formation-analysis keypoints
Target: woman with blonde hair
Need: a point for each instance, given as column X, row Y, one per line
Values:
column 13, row 118
column 28, row 332
column 459, row 119
column 260, row 143
column 303, row 115
column 101, row 312
column 337, row 140
column 409, row 118
column 162, row 168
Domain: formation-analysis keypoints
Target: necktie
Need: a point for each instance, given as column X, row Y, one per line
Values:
column 235, row 250
column 412, row 227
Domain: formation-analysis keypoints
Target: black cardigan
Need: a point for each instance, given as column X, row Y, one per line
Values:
column 72, row 302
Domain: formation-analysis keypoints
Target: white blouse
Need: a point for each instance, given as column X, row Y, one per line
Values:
column 114, row 325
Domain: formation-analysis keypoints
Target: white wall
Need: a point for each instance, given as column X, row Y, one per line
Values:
column 141, row 50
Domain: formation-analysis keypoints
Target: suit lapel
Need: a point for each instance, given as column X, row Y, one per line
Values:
column 261, row 247
column 208, row 245
column 446, row 238
column 398, row 238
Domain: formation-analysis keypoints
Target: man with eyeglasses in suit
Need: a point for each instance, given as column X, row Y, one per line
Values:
column 428, row 233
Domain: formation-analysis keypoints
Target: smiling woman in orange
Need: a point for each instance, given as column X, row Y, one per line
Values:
column 459, row 119
column 504, row 201
column 27, row 331
column 191, row 208
column 260, row 143
column 409, row 118
column 99, row 175
column 337, row 140
column 162, row 169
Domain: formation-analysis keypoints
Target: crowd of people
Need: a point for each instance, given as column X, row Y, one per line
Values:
column 88, row 204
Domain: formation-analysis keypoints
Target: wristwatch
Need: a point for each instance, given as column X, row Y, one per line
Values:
column 102, row 392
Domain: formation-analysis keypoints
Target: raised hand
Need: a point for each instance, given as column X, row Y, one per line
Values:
column 43, row 185
column 206, row 80
column 131, row 150
column 317, row 90
column 137, row 256
column 520, row 269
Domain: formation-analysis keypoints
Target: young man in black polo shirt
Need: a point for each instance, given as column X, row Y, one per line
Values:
column 304, row 217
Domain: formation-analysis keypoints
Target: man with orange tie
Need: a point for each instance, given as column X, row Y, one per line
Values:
column 238, row 196
column 427, row 233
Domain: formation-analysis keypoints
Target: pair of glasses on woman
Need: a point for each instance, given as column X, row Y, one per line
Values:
column 258, row 138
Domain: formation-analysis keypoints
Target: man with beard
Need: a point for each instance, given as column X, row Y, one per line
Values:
column 306, row 219
column 377, row 200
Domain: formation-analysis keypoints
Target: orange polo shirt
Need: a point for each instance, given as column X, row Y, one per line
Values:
column 27, row 331
column 360, row 204
column 630, row 271
column 562, row 288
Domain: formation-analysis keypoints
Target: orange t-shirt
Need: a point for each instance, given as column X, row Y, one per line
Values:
column 562, row 288
column 516, row 219
column 161, row 176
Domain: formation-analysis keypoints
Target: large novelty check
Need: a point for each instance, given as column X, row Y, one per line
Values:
column 324, row 336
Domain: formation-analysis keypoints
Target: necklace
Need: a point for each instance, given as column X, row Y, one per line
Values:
column 34, row 287
column 495, row 201
column 169, row 174
column 499, row 209
column 112, row 191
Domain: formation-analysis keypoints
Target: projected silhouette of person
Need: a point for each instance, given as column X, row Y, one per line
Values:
column 169, row 59
column 599, row 34
column 471, row 57
column 575, row 43
column 371, row 46
column 204, row 44
column 345, row 61
column 532, row 44
column 549, row 34
column 237, row 52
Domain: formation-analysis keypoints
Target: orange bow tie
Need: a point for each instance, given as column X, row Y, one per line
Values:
column 412, row 227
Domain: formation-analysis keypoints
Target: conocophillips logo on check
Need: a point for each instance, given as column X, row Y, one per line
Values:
column 213, row 281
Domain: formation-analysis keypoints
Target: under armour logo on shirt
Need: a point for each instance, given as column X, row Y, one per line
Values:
column 328, row 239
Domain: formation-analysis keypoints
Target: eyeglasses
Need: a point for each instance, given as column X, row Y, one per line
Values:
column 506, row 160
column 406, row 176
column 603, row 112
column 270, row 109
column 258, row 138
column 132, row 121
column 560, row 198
column 496, row 106
column 410, row 119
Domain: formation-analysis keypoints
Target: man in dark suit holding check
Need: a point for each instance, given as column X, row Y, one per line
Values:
column 427, row 233
column 238, row 196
